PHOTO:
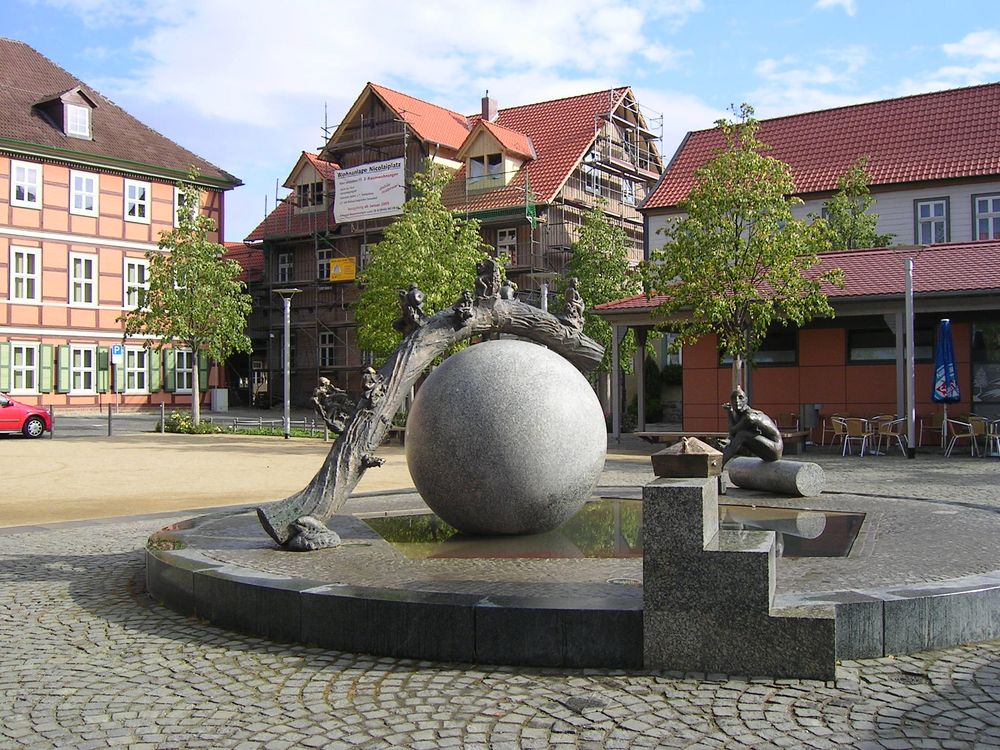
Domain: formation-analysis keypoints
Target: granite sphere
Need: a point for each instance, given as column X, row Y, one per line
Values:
column 505, row 437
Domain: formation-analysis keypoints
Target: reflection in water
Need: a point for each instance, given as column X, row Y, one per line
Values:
column 613, row 529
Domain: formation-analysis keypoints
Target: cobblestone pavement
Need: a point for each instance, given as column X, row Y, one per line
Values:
column 88, row 661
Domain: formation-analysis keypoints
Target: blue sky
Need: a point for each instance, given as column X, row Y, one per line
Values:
column 247, row 84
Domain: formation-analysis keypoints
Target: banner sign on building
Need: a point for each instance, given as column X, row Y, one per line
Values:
column 343, row 269
column 369, row 191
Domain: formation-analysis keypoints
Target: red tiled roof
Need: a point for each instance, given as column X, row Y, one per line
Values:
column 119, row 140
column 951, row 268
column 937, row 136
column 511, row 140
column 325, row 168
column 561, row 132
column 251, row 259
column 284, row 222
column 429, row 121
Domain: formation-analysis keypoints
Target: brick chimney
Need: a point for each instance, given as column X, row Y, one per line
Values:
column 489, row 108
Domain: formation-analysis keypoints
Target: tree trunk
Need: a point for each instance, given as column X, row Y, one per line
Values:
column 195, row 390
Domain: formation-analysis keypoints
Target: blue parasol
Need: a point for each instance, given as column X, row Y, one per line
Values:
column 945, row 390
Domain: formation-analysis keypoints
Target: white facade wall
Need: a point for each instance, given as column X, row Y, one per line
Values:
column 895, row 211
column 896, row 208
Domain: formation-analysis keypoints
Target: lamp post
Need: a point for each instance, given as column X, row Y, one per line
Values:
column 286, row 299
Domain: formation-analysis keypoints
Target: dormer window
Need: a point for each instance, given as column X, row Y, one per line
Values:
column 77, row 119
column 309, row 194
column 490, row 165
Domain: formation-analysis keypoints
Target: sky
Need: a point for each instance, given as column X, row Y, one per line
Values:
column 250, row 84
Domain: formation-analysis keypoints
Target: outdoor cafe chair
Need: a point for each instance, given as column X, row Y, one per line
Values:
column 890, row 430
column 859, row 430
column 962, row 431
column 933, row 422
column 993, row 438
column 834, row 424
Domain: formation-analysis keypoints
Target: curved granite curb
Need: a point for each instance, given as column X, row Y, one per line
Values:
column 586, row 628
column 581, row 625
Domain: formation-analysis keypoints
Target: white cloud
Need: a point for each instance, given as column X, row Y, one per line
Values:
column 981, row 53
column 828, row 80
column 984, row 43
column 849, row 6
column 243, row 81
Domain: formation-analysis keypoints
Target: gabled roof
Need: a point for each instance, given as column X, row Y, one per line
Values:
column 63, row 95
column 119, row 140
column 283, row 222
column 251, row 260
column 561, row 131
column 950, row 268
column 326, row 169
column 939, row 136
column 511, row 141
column 428, row 121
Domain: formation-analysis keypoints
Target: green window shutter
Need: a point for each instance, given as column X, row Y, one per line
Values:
column 119, row 377
column 63, row 380
column 155, row 377
column 202, row 372
column 4, row 367
column 169, row 370
column 45, row 377
column 103, row 357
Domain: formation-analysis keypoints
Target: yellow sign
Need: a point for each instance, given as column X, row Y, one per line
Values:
column 343, row 269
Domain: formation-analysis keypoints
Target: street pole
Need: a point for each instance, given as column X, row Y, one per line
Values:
column 911, row 410
column 286, row 298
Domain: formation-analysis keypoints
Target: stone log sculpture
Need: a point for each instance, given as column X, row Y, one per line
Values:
column 353, row 451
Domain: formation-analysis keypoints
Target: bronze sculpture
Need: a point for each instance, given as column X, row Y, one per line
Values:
column 750, row 430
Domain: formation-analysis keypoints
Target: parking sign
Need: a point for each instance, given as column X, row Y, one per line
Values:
column 117, row 353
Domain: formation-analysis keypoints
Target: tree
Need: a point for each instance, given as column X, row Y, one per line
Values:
column 600, row 263
column 428, row 245
column 848, row 222
column 195, row 298
column 738, row 261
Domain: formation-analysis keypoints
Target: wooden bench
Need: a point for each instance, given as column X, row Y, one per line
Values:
column 794, row 440
column 397, row 432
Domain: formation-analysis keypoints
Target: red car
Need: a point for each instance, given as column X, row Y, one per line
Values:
column 30, row 421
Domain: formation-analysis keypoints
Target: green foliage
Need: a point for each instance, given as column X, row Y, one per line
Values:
column 848, row 223
column 428, row 245
column 738, row 261
column 672, row 375
column 182, row 422
column 195, row 298
column 601, row 265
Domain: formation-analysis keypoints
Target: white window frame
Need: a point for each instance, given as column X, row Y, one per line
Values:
column 286, row 267
column 83, row 283
column 81, row 193
column 991, row 215
column 324, row 256
column 931, row 220
column 136, row 370
column 328, row 345
column 628, row 192
column 81, row 370
column 142, row 205
column 363, row 256
column 23, row 278
column 507, row 242
column 591, row 174
column 77, row 120
column 178, row 200
column 24, row 370
column 184, row 371
column 310, row 194
column 26, row 177
column 131, row 283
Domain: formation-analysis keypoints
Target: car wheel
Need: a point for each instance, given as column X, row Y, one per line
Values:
column 34, row 427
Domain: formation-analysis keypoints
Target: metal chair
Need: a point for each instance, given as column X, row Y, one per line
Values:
column 834, row 425
column 993, row 439
column 933, row 422
column 787, row 421
column 890, row 430
column 859, row 430
column 961, row 431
